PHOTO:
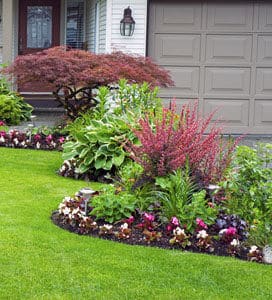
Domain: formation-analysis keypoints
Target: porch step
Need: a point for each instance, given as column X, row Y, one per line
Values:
column 42, row 101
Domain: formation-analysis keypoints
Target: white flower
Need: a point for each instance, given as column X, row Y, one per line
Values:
column 2, row 139
column 235, row 243
column 178, row 231
column 106, row 226
column 213, row 187
column 253, row 249
column 15, row 141
column 124, row 226
column 75, row 211
column 66, row 211
column 67, row 199
column 38, row 145
column 202, row 234
column 222, row 231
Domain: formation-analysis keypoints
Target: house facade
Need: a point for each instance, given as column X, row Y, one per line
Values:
column 219, row 52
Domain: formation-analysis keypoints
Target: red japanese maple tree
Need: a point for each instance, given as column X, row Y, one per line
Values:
column 73, row 75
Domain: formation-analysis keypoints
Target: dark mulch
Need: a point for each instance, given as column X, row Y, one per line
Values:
column 137, row 238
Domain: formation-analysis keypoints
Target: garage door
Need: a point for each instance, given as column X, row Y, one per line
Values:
column 219, row 53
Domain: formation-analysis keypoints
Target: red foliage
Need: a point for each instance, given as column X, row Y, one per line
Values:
column 168, row 143
column 74, row 74
column 61, row 67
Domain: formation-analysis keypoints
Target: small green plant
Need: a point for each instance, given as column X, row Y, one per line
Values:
column 10, row 111
column 249, row 187
column 179, row 197
column 113, row 207
column 19, row 109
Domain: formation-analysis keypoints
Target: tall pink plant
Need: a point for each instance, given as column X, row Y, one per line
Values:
column 166, row 144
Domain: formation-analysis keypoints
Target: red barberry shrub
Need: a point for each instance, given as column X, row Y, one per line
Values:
column 173, row 140
column 73, row 75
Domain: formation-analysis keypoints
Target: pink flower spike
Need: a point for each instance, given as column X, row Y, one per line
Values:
column 175, row 221
column 201, row 223
column 231, row 231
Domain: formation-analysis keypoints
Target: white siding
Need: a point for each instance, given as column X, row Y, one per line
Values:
column 137, row 43
column 102, row 26
column 1, row 33
column 90, row 25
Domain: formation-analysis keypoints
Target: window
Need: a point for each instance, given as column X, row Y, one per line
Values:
column 75, row 21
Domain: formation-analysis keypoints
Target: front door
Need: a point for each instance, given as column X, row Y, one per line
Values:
column 39, row 29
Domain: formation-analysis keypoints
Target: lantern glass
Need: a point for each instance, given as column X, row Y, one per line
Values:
column 127, row 24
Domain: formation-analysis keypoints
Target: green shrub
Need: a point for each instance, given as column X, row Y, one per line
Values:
column 19, row 109
column 10, row 110
column 97, row 137
column 249, row 190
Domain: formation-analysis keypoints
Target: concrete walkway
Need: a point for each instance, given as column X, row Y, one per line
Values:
column 41, row 119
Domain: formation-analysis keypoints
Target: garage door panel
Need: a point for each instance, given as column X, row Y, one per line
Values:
column 233, row 111
column 186, row 82
column 228, row 48
column 263, row 113
column 219, row 52
column 264, row 53
column 227, row 81
column 264, row 81
column 174, row 17
column 177, row 48
column 265, row 17
column 229, row 16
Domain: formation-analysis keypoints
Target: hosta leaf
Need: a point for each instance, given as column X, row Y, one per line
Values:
column 69, row 155
column 83, row 168
column 108, row 165
column 118, row 160
column 100, row 163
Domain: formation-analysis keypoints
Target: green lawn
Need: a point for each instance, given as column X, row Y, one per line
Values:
column 41, row 261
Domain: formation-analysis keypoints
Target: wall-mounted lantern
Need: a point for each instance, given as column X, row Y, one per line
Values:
column 127, row 24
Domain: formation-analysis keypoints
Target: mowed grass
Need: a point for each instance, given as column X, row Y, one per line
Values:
column 41, row 261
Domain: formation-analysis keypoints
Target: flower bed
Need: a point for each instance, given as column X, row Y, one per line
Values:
column 226, row 237
column 26, row 140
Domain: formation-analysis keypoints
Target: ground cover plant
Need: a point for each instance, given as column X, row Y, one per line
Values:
column 75, row 75
column 40, row 260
